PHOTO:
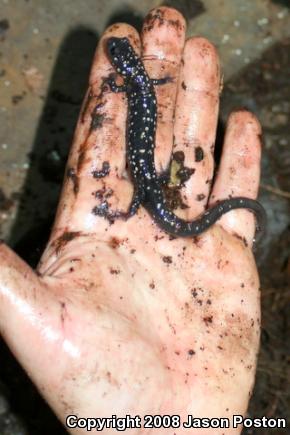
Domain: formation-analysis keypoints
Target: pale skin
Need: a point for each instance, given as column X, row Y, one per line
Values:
column 119, row 318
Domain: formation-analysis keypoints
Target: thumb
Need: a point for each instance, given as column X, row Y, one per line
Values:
column 27, row 310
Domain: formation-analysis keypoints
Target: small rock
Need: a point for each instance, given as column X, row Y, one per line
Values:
column 34, row 79
column 4, row 26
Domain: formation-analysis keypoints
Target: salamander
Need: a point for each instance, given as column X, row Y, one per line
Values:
column 141, row 129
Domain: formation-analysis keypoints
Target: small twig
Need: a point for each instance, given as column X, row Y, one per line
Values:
column 275, row 190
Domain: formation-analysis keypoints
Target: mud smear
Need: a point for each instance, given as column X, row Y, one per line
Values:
column 175, row 180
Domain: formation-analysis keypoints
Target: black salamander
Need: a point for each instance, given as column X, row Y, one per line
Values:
column 141, row 128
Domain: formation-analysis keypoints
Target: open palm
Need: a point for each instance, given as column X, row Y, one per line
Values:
column 120, row 318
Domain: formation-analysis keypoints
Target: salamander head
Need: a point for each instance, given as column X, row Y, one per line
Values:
column 122, row 56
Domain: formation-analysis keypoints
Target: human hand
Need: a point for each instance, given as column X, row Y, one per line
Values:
column 120, row 318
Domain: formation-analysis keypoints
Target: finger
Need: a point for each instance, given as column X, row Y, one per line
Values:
column 163, row 37
column 196, row 121
column 96, row 164
column 239, row 172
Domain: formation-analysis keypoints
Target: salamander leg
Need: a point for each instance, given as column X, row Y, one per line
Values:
column 111, row 82
column 137, row 200
column 162, row 81
column 164, row 177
